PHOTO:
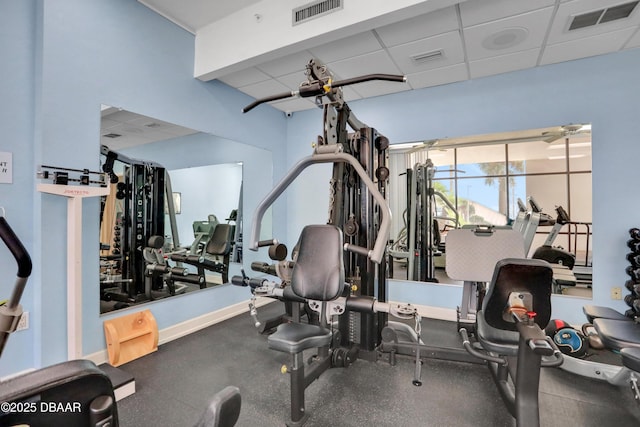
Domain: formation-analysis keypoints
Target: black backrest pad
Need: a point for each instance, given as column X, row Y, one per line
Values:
column 220, row 242
column 531, row 276
column 318, row 273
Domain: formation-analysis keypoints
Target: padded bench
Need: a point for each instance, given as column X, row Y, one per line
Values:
column 596, row 312
column 631, row 358
column 618, row 334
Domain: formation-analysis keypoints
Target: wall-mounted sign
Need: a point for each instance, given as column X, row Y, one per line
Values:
column 6, row 168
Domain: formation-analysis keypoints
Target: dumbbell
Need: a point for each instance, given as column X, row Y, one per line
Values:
column 634, row 259
column 634, row 273
column 632, row 286
column 634, row 233
column 634, row 245
column 631, row 300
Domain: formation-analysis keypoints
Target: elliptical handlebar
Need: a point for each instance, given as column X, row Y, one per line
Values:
column 375, row 254
column 11, row 312
column 16, row 247
column 320, row 87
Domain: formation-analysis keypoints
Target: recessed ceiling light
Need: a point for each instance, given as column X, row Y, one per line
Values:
column 506, row 38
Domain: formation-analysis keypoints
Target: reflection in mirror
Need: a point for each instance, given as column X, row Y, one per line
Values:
column 141, row 255
column 539, row 177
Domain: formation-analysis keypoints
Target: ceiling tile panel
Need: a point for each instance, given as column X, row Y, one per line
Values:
column 478, row 12
column 370, row 63
column 504, row 63
column 420, row 27
column 450, row 44
column 508, row 35
column 244, row 77
column 287, row 64
column 263, row 89
column 370, row 89
column 293, row 80
column 499, row 36
column 294, row 104
column 350, row 93
column 345, row 48
column 439, row 76
column 582, row 48
column 560, row 28
column 634, row 41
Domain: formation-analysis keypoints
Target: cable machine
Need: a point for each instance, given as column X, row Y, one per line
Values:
column 143, row 190
column 357, row 202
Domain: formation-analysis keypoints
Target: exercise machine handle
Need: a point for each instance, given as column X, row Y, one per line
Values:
column 17, row 249
column 263, row 267
column 11, row 312
column 377, row 253
column 270, row 98
column 318, row 88
column 246, row 281
column 480, row 355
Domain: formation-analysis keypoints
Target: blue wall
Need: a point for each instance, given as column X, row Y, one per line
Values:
column 17, row 44
column 61, row 60
column 601, row 90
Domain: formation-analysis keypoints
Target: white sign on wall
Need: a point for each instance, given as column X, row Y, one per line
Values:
column 6, row 172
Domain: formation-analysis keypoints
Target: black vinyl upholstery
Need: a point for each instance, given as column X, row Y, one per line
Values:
column 318, row 274
column 220, row 242
column 77, row 382
column 219, row 245
column 499, row 341
column 223, row 409
column 618, row 334
column 529, row 276
column 595, row 312
column 631, row 358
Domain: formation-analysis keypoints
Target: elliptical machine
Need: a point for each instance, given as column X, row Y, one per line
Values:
column 74, row 393
column 555, row 254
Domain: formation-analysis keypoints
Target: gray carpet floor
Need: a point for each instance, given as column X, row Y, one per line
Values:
column 175, row 383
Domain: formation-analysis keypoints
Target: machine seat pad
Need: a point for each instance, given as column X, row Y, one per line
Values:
column 294, row 337
column 220, row 242
column 499, row 341
column 596, row 311
column 631, row 358
column 223, row 410
column 618, row 334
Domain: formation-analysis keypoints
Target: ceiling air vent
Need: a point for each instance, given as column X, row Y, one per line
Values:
column 601, row 16
column 428, row 56
column 112, row 135
column 314, row 10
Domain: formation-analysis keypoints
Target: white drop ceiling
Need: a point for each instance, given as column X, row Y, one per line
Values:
column 477, row 38
column 122, row 129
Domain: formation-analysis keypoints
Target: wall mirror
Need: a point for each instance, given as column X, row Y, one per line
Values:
column 495, row 179
column 163, row 232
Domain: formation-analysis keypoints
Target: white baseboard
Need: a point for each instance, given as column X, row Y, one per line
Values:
column 189, row 326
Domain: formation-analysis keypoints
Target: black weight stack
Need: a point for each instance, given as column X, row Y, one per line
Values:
column 633, row 270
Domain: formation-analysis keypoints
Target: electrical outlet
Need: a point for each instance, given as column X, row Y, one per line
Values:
column 23, row 323
column 616, row 293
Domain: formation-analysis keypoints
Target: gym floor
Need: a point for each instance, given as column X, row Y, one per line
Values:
column 175, row 384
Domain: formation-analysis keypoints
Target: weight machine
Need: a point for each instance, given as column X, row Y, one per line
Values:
column 144, row 190
column 339, row 268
